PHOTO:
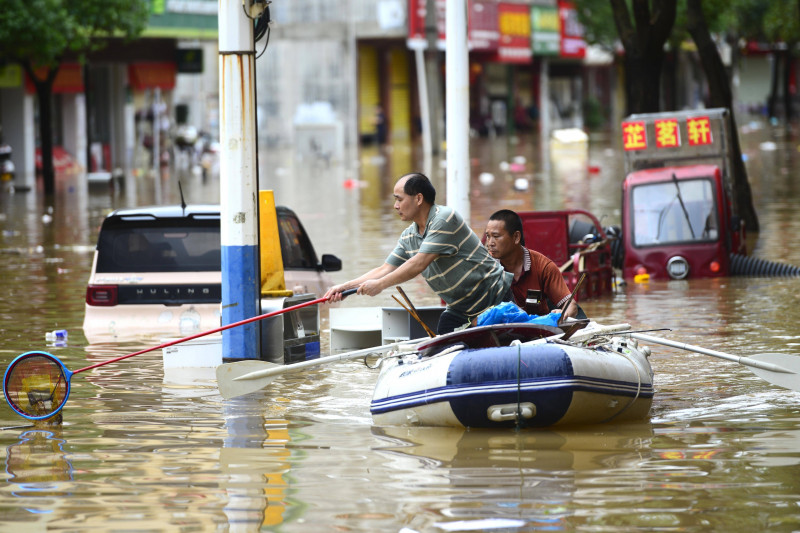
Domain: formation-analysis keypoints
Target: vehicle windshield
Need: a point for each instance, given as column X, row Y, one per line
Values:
column 155, row 247
column 296, row 248
column 674, row 212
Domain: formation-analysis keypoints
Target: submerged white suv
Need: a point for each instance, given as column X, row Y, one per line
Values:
column 156, row 271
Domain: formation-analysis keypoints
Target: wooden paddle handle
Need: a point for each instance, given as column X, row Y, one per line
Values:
column 571, row 296
column 413, row 311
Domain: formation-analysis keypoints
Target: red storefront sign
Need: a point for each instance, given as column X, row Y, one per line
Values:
column 482, row 32
column 152, row 75
column 572, row 43
column 514, row 22
column 416, row 23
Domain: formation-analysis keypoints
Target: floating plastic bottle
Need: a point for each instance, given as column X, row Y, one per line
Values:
column 58, row 335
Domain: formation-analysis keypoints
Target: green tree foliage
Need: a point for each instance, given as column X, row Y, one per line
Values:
column 781, row 26
column 40, row 34
column 781, row 21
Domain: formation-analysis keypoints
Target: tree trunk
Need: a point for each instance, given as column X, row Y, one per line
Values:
column 643, row 90
column 787, row 82
column 44, row 94
column 643, row 40
column 669, row 87
column 773, row 85
column 720, row 96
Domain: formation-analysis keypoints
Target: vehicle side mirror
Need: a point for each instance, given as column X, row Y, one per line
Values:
column 331, row 263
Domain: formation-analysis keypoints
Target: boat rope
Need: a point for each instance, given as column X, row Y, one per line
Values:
column 379, row 362
column 638, row 388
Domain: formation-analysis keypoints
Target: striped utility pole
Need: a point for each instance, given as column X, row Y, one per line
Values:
column 238, row 181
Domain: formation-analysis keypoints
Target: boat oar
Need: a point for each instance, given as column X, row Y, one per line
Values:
column 571, row 296
column 244, row 377
column 777, row 368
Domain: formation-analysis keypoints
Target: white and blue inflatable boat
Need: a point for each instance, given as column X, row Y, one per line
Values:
column 512, row 375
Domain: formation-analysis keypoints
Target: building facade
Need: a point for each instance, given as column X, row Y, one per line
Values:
column 108, row 109
column 332, row 75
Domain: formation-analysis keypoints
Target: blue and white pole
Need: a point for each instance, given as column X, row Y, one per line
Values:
column 238, row 181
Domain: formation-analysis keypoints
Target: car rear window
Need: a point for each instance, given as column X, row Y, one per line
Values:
column 155, row 246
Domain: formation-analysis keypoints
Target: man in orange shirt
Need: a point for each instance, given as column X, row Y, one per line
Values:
column 532, row 271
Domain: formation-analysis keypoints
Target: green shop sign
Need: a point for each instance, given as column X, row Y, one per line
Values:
column 545, row 31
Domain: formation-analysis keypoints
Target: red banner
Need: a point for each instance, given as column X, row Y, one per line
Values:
column 572, row 43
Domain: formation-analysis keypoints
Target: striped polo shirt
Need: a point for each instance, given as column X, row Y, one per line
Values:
column 464, row 275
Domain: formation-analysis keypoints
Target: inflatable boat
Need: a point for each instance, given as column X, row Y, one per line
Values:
column 513, row 375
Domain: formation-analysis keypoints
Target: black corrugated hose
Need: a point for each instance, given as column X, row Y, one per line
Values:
column 743, row 265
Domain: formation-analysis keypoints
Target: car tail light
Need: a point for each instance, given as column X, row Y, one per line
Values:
column 714, row 267
column 101, row 295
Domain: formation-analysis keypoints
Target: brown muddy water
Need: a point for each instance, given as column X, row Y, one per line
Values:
column 139, row 450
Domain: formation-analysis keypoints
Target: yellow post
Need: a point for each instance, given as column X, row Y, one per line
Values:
column 272, row 280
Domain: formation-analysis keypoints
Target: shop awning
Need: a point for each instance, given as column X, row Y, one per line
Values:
column 69, row 79
column 152, row 75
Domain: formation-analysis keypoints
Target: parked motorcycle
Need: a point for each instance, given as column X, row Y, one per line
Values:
column 196, row 149
column 186, row 139
column 7, row 169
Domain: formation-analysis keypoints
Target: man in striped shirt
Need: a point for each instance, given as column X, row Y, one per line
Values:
column 441, row 246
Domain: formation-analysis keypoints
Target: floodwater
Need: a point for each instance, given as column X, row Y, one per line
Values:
column 139, row 450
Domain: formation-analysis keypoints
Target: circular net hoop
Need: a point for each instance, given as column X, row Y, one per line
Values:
column 36, row 385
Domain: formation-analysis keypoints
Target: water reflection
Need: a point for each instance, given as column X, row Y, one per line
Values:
column 37, row 461
column 255, row 462
column 147, row 449
column 530, row 475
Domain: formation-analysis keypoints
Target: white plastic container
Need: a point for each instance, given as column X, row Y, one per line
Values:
column 201, row 352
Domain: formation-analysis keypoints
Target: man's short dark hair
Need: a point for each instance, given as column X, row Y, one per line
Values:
column 419, row 184
column 512, row 221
